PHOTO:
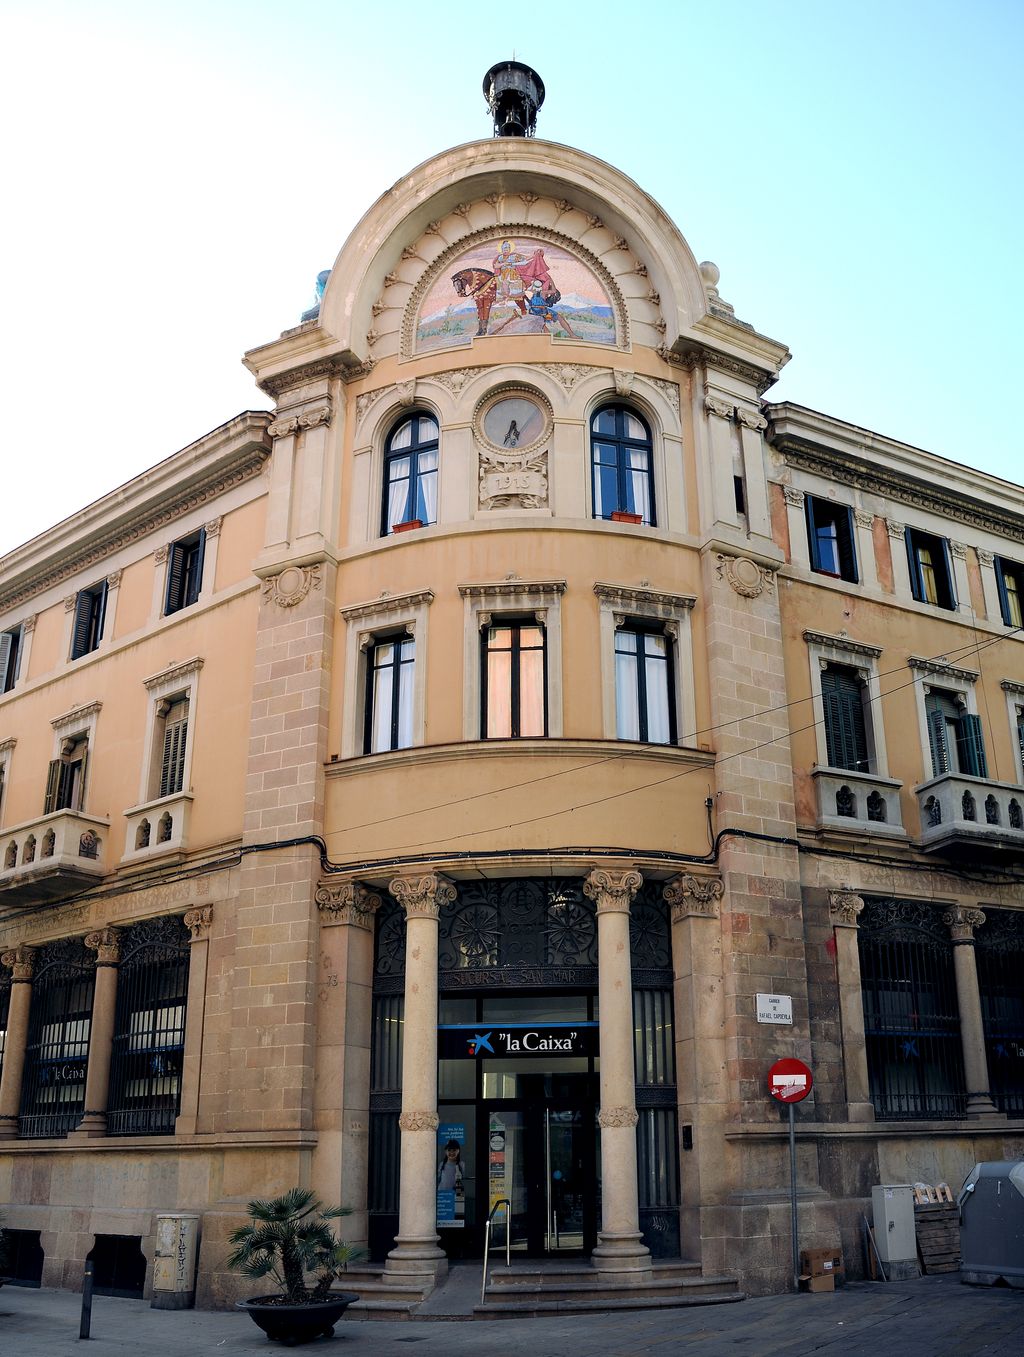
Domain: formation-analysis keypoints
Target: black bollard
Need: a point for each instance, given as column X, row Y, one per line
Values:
column 83, row 1328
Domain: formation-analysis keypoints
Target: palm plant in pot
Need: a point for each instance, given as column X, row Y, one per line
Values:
column 289, row 1239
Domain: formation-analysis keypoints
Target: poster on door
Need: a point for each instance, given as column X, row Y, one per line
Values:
column 498, row 1161
column 451, row 1187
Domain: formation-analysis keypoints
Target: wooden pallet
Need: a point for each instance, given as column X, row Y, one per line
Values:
column 937, row 1225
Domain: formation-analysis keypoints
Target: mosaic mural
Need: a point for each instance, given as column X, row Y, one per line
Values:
column 520, row 286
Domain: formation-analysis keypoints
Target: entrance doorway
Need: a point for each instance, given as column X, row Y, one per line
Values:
column 541, row 1154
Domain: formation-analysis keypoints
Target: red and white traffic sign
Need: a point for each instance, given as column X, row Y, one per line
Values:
column 789, row 1081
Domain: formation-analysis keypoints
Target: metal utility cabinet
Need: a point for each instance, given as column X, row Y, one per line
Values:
column 892, row 1205
column 991, row 1205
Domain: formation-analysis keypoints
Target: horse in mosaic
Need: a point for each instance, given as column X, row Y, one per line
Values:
column 482, row 286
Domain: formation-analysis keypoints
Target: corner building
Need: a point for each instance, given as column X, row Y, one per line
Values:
column 410, row 791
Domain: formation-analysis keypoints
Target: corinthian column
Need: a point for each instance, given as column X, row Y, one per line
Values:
column 19, row 961
column 416, row 1250
column 106, row 944
column 619, row 1248
column 844, row 909
column 961, row 924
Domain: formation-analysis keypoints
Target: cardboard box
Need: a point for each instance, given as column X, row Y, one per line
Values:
column 826, row 1282
column 822, row 1262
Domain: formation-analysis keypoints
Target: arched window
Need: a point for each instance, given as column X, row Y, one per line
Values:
column 410, row 474
column 620, row 458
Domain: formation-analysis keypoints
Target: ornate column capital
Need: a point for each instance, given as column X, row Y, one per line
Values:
column 714, row 406
column 284, row 427
column 617, row 1116
column 793, row 496
column 319, row 414
column 20, row 961
column 346, row 902
column 864, row 518
column 29, row 624
column 694, row 897
column 422, row 896
column 985, row 557
column 751, row 419
column 962, row 923
column 612, row 892
column 893, row 528
column 198, row 922
column 844, row 908
column 213, row 526
column 106, row 943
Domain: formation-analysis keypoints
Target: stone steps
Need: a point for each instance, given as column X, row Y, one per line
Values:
column 534, row 1309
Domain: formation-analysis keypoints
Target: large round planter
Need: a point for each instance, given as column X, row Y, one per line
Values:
column 291, row 1324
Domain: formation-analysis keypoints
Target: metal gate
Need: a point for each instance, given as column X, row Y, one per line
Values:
column 57, row 1051
column 999, row 948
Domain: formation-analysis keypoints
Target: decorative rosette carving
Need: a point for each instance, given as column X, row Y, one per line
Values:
column 617, row 1116
column 198, row 922
column 744, row 576
column 292, row 585
column 419, row 1121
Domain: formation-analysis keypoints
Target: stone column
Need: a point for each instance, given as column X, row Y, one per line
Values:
column 701, row 1078
column 961, row 924
column 843, row 911
column 619, row 1248
column 900, row 564
column 105, row 942
column 865, row 530
column 20, row 961
column 986, row 566
column 796, row 521
column 341, row 1107
column 198, row 922
column 416, row 1253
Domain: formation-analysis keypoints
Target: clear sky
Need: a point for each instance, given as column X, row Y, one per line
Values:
column 176, row 174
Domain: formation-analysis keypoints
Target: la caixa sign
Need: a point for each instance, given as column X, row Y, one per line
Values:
column 474, row 1041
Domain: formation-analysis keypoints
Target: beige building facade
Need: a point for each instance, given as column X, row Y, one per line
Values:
column 413, row 791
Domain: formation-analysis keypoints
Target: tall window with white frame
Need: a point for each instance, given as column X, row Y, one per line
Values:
column 956, row 743
column 172, row 718
column 621, row 472
column 90, row 611
column 1010, row 581
column 185, row 571
column 390, row 665
column 644, row 684
column 65, row 780
column 514, row 679
column 931, row 570
column 410, row 474
column 830, row 535
column 846, row 733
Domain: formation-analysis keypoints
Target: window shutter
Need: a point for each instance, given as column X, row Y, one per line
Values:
column 172, row 767
column 6, row 642
column 1020, row 736
column 951, row 599
column 916, row 584
column 812, row 533
column 52, row 786
column 937, row 741
column 195, row 582
column 175, row 576
column 845, row 732
column 1004, row 602
column 80, row 798
column 83, row 616
column 848, row 550
column 971, row 746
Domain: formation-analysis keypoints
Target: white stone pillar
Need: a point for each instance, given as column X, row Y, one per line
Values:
column 796, row 521
column 751, row 424
column 723, row 492
column 105, row 942
column 844, row 909
column 962, row 583
column 619, row 1249
column 210, row 551
column 961, row 924
column 198, row 922
column 416, row 1255
column 898, row 553
column 864, row 521
column 20, row 961
column 987, row 562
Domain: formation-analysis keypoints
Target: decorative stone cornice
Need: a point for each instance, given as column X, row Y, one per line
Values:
column 1008, row 686
column 346, row 902
column 175, row 673
column 694, row 897
column 793, row 496
column 318, row 370
column 20, row 962
column 841, row 642
column 419, row 1121
column 77, row 716
column 895, row 485
column 422, row 896
column 292, row 585
column 505, row 590
column 844, row 908
column 942, row 668
column 7, row 745
column 106, row 943
column 198, row 922
column 387, row 604
column 612, row 892
column 700, row 356
column 643, row 600
column 962, row 922
column 744, row 576
column 617, row 1116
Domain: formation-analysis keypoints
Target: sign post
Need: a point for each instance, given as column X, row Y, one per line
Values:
column 790, row 1081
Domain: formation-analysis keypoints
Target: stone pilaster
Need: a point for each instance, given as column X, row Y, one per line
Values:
column 341, row 1107
column 961, row 924
column 20, row 962
column 699, row 1000
column 105, row 942
column 844, row 909
column 416, row 1252
column 198, row 921
column 619, row 1248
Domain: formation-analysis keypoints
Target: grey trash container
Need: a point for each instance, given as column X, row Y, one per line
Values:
column 991, row 1205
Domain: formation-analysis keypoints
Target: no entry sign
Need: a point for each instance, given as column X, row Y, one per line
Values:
column 789, row 1081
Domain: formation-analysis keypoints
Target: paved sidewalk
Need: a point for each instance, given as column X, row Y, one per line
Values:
column 931, row 1317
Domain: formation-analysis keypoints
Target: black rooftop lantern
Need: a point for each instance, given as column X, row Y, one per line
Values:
column 514, row 93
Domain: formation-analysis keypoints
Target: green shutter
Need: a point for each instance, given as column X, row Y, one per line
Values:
column 937, row 741
column 175, row 572
column 52, row 786
column 172, row 767
column 195, row 582
column 846, row 738
column 83, row 617
column 970, row 746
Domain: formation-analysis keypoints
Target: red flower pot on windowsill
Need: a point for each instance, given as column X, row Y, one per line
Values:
column 620, row 516
column 408, row 525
